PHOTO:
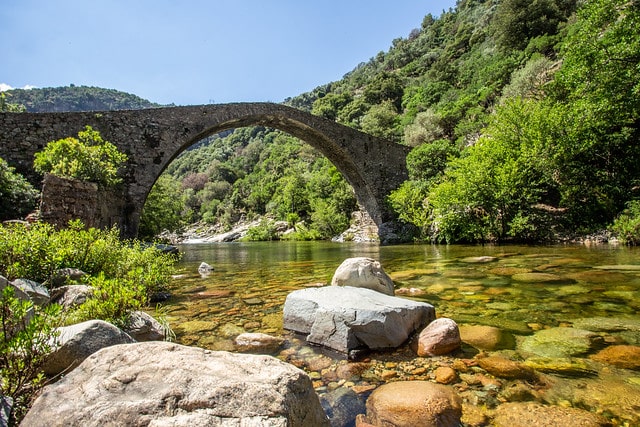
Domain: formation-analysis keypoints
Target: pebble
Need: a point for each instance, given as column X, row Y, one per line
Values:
column 445, row 375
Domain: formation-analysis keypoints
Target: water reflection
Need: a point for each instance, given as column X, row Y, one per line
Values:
column 519, row 289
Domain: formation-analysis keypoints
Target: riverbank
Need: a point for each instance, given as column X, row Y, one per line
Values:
column 362, row 229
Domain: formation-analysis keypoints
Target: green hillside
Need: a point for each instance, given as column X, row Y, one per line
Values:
column 523, row 115
column 75, row 98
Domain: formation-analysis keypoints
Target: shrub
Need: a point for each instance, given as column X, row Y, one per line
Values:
column 87, row 158
column 627, row 225
column 26, row 333
column 17, row 196
column 37, row 251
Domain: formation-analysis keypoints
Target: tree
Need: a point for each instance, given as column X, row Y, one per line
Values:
column 598, row 88
column 17, row 196
column 162, row 209
column 490, row 191
column 87, row 158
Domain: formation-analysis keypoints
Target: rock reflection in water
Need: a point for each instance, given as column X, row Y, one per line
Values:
column 550, row 309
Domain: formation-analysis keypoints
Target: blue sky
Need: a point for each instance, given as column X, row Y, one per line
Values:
column 198, row 51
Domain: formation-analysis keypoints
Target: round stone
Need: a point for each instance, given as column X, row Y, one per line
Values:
column 414, row 404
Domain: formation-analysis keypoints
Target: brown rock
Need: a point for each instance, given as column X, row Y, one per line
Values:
column 486, row 337
column 445, row 375
column 441, row 336
column 414, row 404
column 255, row 342
column 622, row 356
column 527, row 414
column 506, row 368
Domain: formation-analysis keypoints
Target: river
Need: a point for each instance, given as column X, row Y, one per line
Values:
column 520, row 290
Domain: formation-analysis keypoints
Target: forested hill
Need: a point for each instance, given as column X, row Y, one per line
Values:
column 524, row 117
column 75, row 98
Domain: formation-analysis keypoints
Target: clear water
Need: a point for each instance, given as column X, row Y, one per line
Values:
column 520, row 289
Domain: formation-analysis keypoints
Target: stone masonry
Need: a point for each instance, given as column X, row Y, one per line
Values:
column 152, row 138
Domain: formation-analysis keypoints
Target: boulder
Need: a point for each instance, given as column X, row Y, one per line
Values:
column 204, row 268
column 527, row 414
column 77, row 342
column 166, row 384
column 64, row 276
column 143, row 327
column 348, row 318
column 38, row 293
column 69, row 296
column 441, row 336
column 6, row 407
column 414, row 404
column 362, row 272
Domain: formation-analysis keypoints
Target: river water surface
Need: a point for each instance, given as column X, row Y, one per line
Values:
column 521, row 290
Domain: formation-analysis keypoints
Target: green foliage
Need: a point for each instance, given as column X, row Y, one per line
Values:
column 112, row 300
column 627, row 225
column 27, row 331
column 598, row 88
column 17, row 195
column 162, row 210
column 266, row 231
column 87, row 158
column 39, row 250
column 518, row 21
column 10, row 107
column 76, row 98
column 489, row 193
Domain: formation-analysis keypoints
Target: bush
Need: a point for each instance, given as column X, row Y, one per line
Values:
column 265, row 231
column 87, row 158
column 26, row 333
column 17, row 196
column 627, row 225
column 38, row 251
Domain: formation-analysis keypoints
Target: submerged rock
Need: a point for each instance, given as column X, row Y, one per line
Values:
column 347, row 318
column 506, row 368
column 414, row 404
column 255, row 342
column 527, row 414
column 622, row 356
column 165, row 384
column 560, row 342
column 485, row 337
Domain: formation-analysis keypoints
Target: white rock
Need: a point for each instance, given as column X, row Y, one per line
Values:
column 77, row 342
column 347, row 318
column 362, row 272
column 166, row 384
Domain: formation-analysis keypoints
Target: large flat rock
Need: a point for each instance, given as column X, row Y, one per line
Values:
column 348, row 318
column 166, row 384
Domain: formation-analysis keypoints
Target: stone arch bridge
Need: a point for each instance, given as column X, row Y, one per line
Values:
column 152, row 138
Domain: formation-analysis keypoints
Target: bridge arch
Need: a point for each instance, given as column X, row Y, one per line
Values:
column 152, row 138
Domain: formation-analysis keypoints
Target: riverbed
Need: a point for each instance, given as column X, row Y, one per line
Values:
column 520, row 290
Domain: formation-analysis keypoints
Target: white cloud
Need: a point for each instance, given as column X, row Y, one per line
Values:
column 4, row 86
